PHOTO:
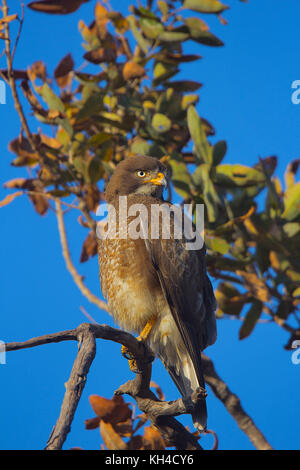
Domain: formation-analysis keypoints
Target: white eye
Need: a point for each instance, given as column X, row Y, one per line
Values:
column 141, row 173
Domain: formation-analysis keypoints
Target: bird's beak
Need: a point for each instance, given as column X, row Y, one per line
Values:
column 159, row 180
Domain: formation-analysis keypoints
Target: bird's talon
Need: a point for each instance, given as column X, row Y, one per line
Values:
column 133, row 366
column 125, row 353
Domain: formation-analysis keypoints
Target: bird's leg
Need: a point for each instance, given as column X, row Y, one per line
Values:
column 142, row 337
column 147, row 328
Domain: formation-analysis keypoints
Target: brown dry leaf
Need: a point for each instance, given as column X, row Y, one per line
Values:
column 158, row 390
column 9, row 198
column 92, row 197
column 274, row 260
column 136, row 443
column 22, row 148
column 111, row 438
column 290, row 173
column 101, row 55
column 53, row 114
column 256, row 286
column 103, row 407
column 122, row 412
column 62, row 72
column 251, row 228
column 36, row 106
column 133, row 70
column 18, row 74
column 124, row 428
column 153, row 439
column 50, row 141
column 56, row 7
column 40, row 203
column 16, row 183
column 114, row 411
column 92, row 423
column 38, row 70
column 89, row 247
column 101, row 19
column 8, row 19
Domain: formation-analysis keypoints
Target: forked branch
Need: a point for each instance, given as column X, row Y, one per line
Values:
column 160, row 413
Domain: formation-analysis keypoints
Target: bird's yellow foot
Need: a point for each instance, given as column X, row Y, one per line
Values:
column 147, row 329
column 126, row 353
column 133, row 366
column 142, row 337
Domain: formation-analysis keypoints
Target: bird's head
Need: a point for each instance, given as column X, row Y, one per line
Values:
column 137, row 175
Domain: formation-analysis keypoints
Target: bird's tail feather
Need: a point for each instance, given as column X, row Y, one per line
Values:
column 200, row 416
column 188, row 381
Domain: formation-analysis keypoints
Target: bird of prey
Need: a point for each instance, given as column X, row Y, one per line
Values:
column 155, row 287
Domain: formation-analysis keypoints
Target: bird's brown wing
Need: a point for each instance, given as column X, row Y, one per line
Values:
column 188, row 291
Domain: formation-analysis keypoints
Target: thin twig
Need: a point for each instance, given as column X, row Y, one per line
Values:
column 12, row 82
column 21, row 21
column 52, row 198
column 70, row 266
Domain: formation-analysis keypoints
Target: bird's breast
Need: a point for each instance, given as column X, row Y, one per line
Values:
column 129, row 282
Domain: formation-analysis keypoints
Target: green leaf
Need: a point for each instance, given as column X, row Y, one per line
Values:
column 251, row 318
column 163, row 72
column 238, row 175
column 163, row 6
column 81, row 166
column 195, row 25
column 161, row 123
column 180, row 177
column 201, row 179
column 95, row 170
column 296, row 292
column 142, row 42
column 187, row 100
column 262, row 256
column 203, row 151
column 52, row 100
column 98, row 139
column 199, row 32
column 151, row 27
column 219, row 151
column 291, row 228
column 229, row 299
column 140, row 147
column 65, row 124
column 205, row 6
column 91, row 107
column 184, row 85
column 208, row 39
column 292, row 202
column 218, row 245
column 173, row 36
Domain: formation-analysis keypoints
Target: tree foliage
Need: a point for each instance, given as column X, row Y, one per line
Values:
column 132, row 102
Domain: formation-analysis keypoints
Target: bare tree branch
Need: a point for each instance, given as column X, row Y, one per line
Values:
column 160, row 413
column 74, row 387
column 233, row 405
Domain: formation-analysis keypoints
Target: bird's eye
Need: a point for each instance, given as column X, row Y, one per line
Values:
column 141, row 173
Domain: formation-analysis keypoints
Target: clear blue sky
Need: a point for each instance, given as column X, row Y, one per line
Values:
column 247, row 97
